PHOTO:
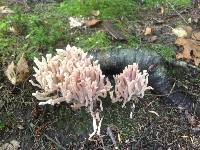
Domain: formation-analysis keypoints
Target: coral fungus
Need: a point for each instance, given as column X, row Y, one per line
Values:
column 73, row 77
column 129, row 84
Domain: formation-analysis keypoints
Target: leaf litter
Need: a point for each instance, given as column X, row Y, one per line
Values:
column 17, row 73
column 190, row 48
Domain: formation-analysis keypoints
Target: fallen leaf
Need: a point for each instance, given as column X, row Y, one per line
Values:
column 5, row 10
column 18, row 73
column 186, row 48
column 92, row 22
column 196, row 36
column 13, row 30
column 22, row 69
column 191, row 50
column 196, row 54
column 95, row 13
column 10, row 73
column 13, row 145
column 161, row 10
column 17, row 28
column 189, row 30
column 189, row 20
column 182, row 31
column 148, row 31
column 191, row 47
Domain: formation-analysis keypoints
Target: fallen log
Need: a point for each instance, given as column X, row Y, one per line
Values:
column 113, row 61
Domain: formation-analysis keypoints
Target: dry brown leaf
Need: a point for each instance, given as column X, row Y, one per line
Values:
column 196, row 54
column 13, row 145
column 16, row 29
column 161, row 10
column 182, row 32
column 95, row 13
column 5, row 10
column 186, row 48
column 22, row 69
column 196, row 36
column 191, row 50
column 92, row 22
column 189, row 30
column 18, row 73
column 10, row 73
column 148, row 31
column 13, row 30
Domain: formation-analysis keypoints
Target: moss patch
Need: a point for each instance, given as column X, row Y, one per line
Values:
column 109, row 9
column 2, row 125
column 31, row 33
column 95, row 40
column 166, row 52
column 173, row 2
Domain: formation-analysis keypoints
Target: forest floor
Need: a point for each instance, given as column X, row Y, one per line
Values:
column 38, row 28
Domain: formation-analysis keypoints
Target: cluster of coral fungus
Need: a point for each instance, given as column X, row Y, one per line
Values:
column 72, row 76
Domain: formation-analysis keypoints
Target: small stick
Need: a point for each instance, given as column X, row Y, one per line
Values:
column 53, row 141
column 109, row 132
column 177, row 12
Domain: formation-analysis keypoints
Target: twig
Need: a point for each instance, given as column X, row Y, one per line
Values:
column 177, row 12
column 109, row 132
column 53, row 141
column 171, row 89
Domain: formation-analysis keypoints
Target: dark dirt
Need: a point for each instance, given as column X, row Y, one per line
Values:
column 60, row 127
column 154, row 125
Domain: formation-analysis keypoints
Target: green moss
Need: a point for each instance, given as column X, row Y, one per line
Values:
column 196, row 80
column 96, row 40
column 3, row 27
column 38, row 33
column 2, row 125
column 108, row 8
column 166, row 52
column 133, row 41
column 173, row 2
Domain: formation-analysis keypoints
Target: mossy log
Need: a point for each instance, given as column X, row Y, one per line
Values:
column 113, row 61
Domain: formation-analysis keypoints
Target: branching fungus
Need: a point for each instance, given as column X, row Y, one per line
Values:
column 73, row 77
